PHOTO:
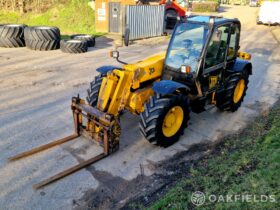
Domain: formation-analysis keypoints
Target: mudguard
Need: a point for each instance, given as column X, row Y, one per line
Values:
column 240, row 65
column 165, row 87
column 105, row 69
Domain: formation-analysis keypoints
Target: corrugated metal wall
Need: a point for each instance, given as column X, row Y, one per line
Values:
column 145, row 21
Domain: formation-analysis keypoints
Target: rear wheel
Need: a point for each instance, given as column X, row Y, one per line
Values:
column 235, row 91
column 164, row 119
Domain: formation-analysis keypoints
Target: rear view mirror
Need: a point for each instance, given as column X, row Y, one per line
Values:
column 126, row 37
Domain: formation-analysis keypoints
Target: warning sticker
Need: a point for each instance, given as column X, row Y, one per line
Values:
column 101, row 14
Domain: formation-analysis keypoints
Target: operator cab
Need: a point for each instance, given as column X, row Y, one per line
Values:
column 200, row 47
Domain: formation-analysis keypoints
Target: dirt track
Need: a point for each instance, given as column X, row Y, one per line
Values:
column 36, row 89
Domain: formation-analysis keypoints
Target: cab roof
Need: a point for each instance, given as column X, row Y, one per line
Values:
column 218, row 20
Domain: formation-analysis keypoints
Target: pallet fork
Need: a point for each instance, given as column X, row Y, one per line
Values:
column 100, row 127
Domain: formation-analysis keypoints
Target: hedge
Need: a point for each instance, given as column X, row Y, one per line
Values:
column 209, row 6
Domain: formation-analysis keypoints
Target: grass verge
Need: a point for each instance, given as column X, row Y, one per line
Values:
column 73, row 17
column 244, row 164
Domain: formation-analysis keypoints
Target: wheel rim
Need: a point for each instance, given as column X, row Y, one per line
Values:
column 239, row 90
column 172, row 121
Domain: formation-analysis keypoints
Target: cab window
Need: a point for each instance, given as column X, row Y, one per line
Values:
column 217, row 47
column 233, row 48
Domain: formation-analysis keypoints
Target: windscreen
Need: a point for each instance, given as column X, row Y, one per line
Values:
column 186, row 45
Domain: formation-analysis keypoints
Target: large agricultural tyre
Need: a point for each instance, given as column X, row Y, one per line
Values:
column 1, row 27
column 164, row 119
column 73, row 46
column 42, row 33
column 85, row 37
column 42, row 38
column 234, row 93
column 12, row 42
column 12, row 35
column 40, row 45
column 93, row 91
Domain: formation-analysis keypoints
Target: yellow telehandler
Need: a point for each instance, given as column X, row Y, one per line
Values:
column 202, row 66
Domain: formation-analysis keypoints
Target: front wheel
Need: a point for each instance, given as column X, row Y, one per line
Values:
column 164, row 119
column 93, row 91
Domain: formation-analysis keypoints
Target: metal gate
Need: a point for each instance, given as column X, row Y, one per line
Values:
column 145, row 21
column 114, row 17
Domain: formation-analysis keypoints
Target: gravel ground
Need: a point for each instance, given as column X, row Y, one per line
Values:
column 36, row 89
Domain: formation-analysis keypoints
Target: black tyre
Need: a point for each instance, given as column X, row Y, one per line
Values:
column 93, row 91
column 12, row 42
column 1, row 28
column 164, row 119
column 12, row 35
column 42, row 45
column 73, row 46
column 235, row 91
column 42, row 33
column 88, row 38
column 126, row 36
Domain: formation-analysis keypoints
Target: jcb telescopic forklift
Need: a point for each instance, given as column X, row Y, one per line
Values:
column 202, row 66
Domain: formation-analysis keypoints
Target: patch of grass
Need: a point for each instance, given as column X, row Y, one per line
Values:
column 247, row 164
column 208, row 6
column 73, row 17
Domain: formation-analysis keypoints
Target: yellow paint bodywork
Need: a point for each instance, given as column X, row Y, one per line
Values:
column 244, row 55
column 212, row 81
column 121, row 89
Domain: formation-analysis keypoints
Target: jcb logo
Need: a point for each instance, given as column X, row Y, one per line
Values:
column 152, row 70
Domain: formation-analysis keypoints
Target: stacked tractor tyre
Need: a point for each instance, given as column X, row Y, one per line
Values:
column 42, row 38
column 78, row 43
column 12, row 35
column 85, row 37
column 74, row 46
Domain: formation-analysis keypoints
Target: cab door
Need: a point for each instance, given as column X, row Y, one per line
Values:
column 215, row 59
column 233, row 45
